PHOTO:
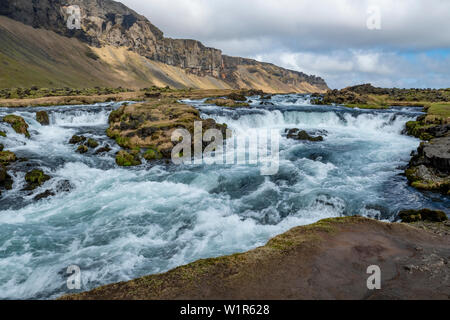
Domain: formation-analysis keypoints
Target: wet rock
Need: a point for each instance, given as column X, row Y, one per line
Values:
column 302, row 135
column 104, row 149
column 1, row 147
column 409, row 216
column 6, row 157
column 35, row 179
column 150, row 125
column 6, row 181
column 18, row 124
column 64, row 186
column 266, row 97
column 125, row 159
column 42, row 118
column 77, row 139
column 44, row 195
column 92, row 143
column 3, row 134
column 82, row 149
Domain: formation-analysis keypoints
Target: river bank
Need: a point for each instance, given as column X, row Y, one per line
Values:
column 326, row 260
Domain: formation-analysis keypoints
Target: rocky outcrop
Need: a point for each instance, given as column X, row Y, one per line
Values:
column 150, row 125
column 109, row 23
column 327, row 260
column 429, row 169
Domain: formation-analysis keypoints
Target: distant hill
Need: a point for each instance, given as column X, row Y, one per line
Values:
column 116, row 46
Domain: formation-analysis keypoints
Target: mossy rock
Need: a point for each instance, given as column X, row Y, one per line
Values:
column 92, row 143
column 152, row 154
column 18, row 124
column 6, row 157
column 35, row 179
column 82, row 149
column 6, row 181
column 409, row 216
column 77, row 139
column 3, row 134
column 1, row 147
column 125, row 159
column 42, row 118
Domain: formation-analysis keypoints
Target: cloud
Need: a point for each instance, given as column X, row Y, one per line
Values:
column 328, row 38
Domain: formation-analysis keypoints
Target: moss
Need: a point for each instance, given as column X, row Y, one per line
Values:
column 409, row 216
column 152, row 154
column 125, row 159
column 6, row 157
column 92, row 143
column 18, row 124
column 77, row 139
column 124, row 142
column 3, row 134
column 35, row 179
column 82, row 149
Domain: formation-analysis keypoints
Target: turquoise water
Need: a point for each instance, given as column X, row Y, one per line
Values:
column 118, row 224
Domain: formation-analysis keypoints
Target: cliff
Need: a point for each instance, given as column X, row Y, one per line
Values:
column 107, row 24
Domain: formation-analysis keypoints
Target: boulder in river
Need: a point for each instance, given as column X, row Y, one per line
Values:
column 104, row 149
column 302, row 135
column 6, row 181
column 1, row 147
column 18, row 124
column 35, row 179
column 3, row 134
column 92, row 143
column 42, row 118
column 77, row 139
column 82, row 149
column 6, row 157
column 44, row 195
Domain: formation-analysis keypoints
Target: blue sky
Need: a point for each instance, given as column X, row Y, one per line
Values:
column 401, row 43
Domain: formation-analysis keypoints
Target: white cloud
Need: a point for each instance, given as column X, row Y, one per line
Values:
column 328, row 38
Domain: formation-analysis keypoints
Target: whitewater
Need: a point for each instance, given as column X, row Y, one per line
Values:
column 118, row 224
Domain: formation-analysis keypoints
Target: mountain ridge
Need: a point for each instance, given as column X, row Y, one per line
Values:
column 111, row 24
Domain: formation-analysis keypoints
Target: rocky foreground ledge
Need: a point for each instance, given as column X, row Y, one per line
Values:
column 326, row 260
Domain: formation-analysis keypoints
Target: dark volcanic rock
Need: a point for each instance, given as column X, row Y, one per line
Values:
column 44, row 195
column 302, row 135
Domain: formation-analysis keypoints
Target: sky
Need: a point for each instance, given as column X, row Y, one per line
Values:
column 401, row 43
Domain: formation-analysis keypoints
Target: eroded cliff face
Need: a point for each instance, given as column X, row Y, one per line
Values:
column 110, row 23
